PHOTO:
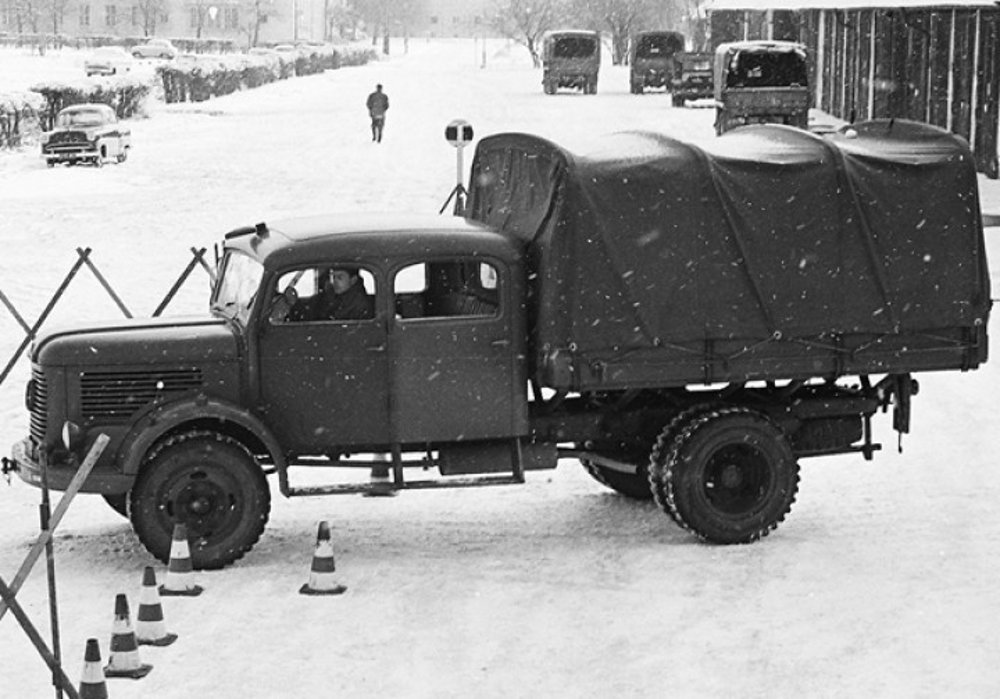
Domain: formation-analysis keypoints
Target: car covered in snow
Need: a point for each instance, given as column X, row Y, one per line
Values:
column 86, row 133
column 155, row 48
column 108, row 60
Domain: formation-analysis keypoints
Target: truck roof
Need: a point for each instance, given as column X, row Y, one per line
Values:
column 302, row 240
column 643, row 240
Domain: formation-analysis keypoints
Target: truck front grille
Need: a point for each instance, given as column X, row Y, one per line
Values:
column 111, row 396
column 38, row 403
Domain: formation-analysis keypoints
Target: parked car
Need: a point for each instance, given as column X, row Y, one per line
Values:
column 86, row 133
column 692, row 77
column 761, row 82
column 108, row 60
column 155, row 48
column 571, row 59
column 652, row 59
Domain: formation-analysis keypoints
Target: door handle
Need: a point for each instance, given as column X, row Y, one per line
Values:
column 376, row 348
column 500, row 343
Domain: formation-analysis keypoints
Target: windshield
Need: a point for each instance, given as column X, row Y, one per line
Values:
column 659, row 45
column 767, row 69
column 237, row 286
column 574, row 47
column 88, row 117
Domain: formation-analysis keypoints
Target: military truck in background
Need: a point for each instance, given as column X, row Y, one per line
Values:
column 761, row 82
column 692, row 77
column 652, row 60
column 686, row 321
column 571, row 59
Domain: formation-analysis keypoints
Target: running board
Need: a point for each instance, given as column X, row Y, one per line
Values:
column 339, row 488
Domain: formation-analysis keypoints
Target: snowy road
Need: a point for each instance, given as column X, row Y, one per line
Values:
column 881, row 583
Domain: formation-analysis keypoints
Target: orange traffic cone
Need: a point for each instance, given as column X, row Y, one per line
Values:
column 321, row 578
column 150, row 628
column 381, row 484
column 179, row 570
column 92, row 685
column 123, row 659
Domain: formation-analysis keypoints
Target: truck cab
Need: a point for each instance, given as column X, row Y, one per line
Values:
column 760, row 82
column 652, row 59
column 571, row 59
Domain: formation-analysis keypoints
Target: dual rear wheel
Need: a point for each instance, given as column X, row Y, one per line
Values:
column 726, row 474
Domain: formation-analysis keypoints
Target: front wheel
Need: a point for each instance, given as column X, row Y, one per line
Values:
column 730, row 477
column 209, row 482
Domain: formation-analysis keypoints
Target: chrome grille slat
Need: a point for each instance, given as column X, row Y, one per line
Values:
column 40, row 404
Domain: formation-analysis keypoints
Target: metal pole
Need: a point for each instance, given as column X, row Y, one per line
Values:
column 459, row 189
column 45, row 511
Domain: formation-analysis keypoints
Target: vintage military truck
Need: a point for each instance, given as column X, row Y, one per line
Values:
column 761, row 82
column 652, row 59
column 687, row 321
column 571, row 59
column 693, row 78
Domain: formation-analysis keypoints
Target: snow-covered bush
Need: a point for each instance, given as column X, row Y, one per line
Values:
column 124, row 94
column 19, row 113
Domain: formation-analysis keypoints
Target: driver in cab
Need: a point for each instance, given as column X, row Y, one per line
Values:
column 342, row 296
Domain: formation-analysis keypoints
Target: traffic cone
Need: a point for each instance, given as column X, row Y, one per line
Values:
column 179, row 570
column 381, row 484
column 123, row 660
column 321, row 578
column 92, row 684
column 150, row 628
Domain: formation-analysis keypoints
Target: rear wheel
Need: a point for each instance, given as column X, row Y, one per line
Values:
column 730, row 476
column 209, row 482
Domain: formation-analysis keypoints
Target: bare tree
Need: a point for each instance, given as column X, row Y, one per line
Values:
column 253, row 13
column 385, row 17
column 526, row 21
column 621, row 19
column 55, row 12
column 151, row 10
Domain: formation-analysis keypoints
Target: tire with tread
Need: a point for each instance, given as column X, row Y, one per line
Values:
column 730, row 476
column 658, row 457
column 211, row 483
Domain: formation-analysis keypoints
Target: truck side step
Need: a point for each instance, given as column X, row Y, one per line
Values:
column 338, row 488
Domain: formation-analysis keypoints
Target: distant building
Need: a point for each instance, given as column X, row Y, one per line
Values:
column 232, row 20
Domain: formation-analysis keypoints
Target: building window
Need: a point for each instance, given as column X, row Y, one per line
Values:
column 193, row 14
column 434, row 19
column 110, row 15
column 84, row 15
column 232, row 17
column 136, row 20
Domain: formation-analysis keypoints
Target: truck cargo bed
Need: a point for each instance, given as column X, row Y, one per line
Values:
column 767, row 253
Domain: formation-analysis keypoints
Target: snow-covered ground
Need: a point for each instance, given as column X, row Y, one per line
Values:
column 881, row 583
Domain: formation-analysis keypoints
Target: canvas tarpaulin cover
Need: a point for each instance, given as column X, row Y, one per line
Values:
column 765, row 234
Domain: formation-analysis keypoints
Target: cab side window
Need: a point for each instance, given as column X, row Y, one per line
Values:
column 442, row 289
column 335, row 292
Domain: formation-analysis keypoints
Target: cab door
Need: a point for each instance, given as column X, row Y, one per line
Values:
column 323, row 383
column 457, row 352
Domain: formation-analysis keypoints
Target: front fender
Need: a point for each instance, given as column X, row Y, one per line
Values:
column 198, row 411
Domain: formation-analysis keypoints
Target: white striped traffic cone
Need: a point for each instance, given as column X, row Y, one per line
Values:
column 321, row 578
column 123, row 659
column 92, row 684
column 150, row 628
column 179, row 571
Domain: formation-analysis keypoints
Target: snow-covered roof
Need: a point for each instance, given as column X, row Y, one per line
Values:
column 839, row 4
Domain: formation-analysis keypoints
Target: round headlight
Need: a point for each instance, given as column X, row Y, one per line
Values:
column 71, row 434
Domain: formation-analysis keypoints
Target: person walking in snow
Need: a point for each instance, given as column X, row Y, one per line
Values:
column 378, row 105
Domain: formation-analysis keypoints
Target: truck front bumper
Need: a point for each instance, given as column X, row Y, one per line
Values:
column 26, row 462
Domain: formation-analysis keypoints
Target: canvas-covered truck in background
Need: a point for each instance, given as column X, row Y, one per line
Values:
column 692, row 77
column 571, row 59
column 687, row 321
column 652, row 59
column 761, row 82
